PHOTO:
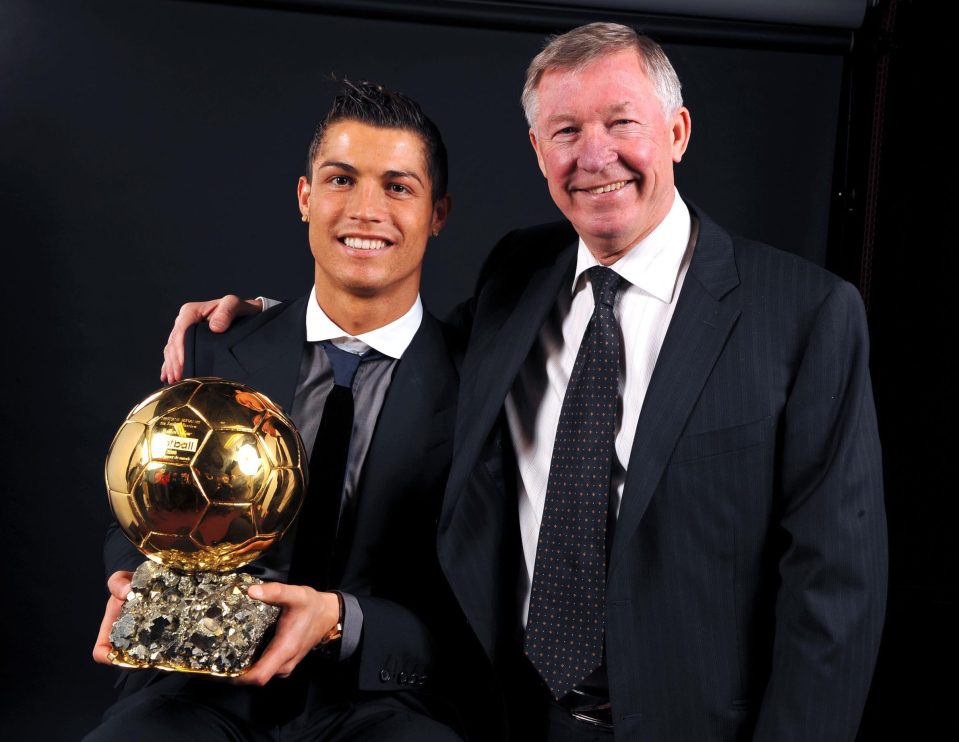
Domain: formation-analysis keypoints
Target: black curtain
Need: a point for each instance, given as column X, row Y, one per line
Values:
column 149, row 153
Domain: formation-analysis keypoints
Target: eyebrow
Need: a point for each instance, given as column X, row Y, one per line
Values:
column 610, row 109
column 403, row 174
column 388, row 174
column 341, row 165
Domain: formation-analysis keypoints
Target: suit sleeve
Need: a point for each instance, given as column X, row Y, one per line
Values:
column 397, row 651
column 831, row 601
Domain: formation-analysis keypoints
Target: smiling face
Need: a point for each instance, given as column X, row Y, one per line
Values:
column 371, row 213
column 607, row 151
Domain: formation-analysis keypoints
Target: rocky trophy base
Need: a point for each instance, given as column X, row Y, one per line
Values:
column 199, row 622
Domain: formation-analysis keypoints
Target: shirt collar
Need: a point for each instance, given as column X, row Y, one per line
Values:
column 653, row 263
column 391, row 339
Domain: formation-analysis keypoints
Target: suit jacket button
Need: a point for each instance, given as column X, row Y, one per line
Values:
column 401, row 678
column 413, row 678
column 422, row 680
column 385, row 675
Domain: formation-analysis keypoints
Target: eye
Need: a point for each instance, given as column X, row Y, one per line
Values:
column 341, row 180
column 566, row 131
column 398, row 188
column 623, row 122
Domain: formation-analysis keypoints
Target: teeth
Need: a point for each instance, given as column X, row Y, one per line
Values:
column 358, row 244
column 607, row 188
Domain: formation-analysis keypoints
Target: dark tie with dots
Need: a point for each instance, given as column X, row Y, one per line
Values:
column 317, row 523
column 567, row 609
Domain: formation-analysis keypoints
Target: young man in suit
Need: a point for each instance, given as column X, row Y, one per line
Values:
column 374, row 193
column 666, row 436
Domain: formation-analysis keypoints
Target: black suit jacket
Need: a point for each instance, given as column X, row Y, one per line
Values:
column 747, row 576
column 390, row 564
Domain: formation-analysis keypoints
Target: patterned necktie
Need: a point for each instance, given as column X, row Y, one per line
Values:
column 317, row 524
column 567, row 610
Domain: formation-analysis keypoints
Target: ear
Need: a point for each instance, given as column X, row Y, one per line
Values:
column 539, row 155
column 303, row 195
column 441, row 212
column 681, row 128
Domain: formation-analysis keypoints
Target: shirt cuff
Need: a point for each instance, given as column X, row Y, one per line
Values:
column 352, row 625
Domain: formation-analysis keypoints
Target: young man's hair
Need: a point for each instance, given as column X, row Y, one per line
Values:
column 378, row 106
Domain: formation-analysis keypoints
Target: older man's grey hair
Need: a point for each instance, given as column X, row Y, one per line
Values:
column 575, row 50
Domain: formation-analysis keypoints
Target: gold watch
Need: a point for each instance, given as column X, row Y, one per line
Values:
column 335, row 633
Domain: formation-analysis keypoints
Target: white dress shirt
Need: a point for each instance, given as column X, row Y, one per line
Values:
column 391, row 340
column 654, row 269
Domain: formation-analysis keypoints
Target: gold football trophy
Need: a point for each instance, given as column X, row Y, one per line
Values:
column 203, row 476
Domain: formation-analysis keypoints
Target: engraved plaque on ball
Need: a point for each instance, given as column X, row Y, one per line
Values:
column 203, row 476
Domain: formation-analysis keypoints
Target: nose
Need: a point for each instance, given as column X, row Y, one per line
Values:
column 367, row 203
column 596, row 149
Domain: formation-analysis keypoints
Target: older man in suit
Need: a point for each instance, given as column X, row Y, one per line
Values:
column 667, row 436
column 664, row 519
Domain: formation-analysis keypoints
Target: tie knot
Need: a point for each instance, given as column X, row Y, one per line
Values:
column 605, row 282
column 344, row 363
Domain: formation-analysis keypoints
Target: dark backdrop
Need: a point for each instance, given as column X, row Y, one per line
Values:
column 148, row 155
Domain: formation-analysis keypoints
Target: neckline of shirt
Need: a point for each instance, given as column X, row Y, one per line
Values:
column 653, row 263
column 392, row 339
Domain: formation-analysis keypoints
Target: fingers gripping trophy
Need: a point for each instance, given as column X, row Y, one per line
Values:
column 203, row 476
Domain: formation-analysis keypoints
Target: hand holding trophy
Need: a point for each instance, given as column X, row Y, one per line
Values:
column 203, row 476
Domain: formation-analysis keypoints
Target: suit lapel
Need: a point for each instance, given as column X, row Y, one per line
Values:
column 498, row 349
column 696, row 336
column 268, row 359
column 417, row 410
column 478, row 517
column 408, row 417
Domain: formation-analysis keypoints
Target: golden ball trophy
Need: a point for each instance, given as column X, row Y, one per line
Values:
column 203, row 476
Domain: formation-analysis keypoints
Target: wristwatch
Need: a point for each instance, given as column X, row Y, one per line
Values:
column 336, row 632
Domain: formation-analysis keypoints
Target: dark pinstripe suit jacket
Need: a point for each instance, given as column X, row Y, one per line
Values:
column 747, row 575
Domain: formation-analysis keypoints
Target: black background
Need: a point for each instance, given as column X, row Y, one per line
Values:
column 149, row 153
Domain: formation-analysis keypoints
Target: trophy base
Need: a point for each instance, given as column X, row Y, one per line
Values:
column 199, row 622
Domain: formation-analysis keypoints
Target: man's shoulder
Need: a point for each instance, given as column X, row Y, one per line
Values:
column 274, row 329
column 538, row 241
column 779, row 290
column 528, row 248
column 763, row 266
column 292, row 312
column 438, row 346
column 548, row 233
column 773, row 271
